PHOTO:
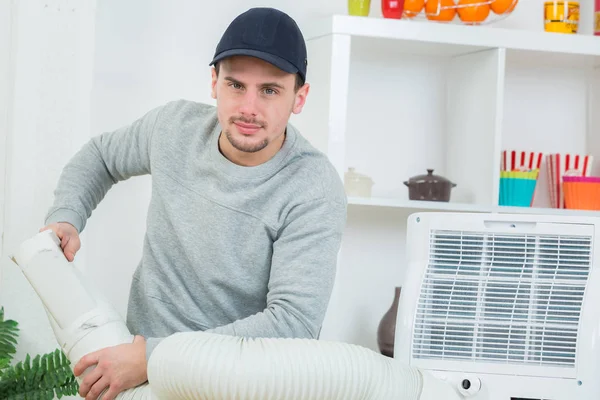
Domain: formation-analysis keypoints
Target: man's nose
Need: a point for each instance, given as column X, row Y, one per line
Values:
column 249, row 103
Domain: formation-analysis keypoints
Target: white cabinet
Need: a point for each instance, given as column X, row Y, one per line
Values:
column 393, row 98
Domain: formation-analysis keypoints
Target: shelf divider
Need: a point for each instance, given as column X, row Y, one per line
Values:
column 475, row 98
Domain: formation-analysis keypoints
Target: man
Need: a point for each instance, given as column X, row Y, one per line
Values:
column 246, row 217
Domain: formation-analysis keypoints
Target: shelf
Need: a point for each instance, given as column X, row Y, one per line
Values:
column 462, row 207
column 393, row 98
column 424, row 37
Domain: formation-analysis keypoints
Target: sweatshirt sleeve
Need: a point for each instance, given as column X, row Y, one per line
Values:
column 303, row 271
column 99, row 164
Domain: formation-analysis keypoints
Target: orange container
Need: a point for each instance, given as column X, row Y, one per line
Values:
column 561, row 16
column 582, row 195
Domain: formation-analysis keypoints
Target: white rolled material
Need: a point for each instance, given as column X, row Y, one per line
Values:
column 45, row 271
column 81, row 319
column 198, row 365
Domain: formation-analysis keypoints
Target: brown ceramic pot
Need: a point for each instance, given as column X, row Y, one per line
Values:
column 429, row 187
column 387, row 327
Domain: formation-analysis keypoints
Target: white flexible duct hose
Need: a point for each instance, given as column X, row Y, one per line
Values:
column 197, row 365
column 225, row 367
column 82, row 320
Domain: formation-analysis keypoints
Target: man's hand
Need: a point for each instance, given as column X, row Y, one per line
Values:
column 118, row 368
column 69, row 238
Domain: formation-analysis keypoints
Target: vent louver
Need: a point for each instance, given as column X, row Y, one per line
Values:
column 502, row 298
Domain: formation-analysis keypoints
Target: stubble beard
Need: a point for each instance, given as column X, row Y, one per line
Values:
column 245, row 146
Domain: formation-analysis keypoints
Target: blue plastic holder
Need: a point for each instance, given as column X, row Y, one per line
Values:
column 516, row 191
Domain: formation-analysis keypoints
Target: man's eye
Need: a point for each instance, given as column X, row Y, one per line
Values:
column 236, row 86
column 270, row 91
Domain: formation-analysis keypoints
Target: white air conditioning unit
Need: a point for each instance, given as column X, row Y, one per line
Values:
column 504, row 307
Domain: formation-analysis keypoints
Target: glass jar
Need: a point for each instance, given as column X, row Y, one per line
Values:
column 561, row 16
column 392, row 8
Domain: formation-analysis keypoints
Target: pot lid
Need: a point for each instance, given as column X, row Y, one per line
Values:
column 428, row 178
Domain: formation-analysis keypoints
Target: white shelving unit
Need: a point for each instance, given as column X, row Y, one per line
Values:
column 394, row 97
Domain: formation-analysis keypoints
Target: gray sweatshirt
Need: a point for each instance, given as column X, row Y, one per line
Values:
column 245, row 251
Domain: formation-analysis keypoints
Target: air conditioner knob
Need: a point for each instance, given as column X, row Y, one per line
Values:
column 469, row 386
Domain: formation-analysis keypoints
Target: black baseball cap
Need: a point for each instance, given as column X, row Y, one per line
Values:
column 268, row 34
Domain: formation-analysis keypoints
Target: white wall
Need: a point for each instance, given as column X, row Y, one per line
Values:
column 49, row 120
column 5, row 95
column 148, row 52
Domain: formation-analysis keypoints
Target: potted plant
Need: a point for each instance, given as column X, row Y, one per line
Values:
column 44, row 377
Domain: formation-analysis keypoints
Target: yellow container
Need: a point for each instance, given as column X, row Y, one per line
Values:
column 561, row 16
column 359, row 8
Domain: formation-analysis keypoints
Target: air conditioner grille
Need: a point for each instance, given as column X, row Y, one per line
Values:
column 502, row 298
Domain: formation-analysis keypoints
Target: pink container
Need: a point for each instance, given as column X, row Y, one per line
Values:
column 585, row 179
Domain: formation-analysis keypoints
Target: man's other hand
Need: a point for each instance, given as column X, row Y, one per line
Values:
column 118, row 368
column 69, row 238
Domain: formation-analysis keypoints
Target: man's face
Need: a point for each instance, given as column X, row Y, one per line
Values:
column 255, row 100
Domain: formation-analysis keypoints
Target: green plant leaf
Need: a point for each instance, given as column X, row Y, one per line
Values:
column 43, row 377
column 9, row 332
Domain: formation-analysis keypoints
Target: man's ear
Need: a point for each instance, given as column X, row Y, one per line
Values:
column 213, row 92
column 300, row 99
